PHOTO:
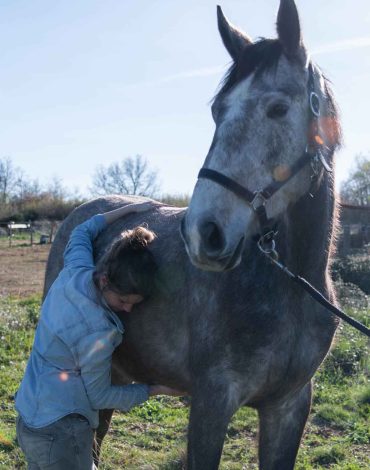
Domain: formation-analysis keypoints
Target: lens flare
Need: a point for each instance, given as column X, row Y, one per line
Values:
column 281, row 173
column 63, row 376
column 319, row 140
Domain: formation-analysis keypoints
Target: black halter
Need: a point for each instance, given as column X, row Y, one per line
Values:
column 313, row 154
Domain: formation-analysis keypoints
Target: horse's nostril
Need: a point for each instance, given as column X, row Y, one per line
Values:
column 212, row 237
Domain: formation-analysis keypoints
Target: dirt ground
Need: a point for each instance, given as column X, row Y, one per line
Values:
column 22, row 269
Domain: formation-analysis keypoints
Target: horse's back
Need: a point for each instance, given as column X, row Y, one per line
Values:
column 87, row 210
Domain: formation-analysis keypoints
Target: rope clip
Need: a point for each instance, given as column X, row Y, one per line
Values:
column 267, row 245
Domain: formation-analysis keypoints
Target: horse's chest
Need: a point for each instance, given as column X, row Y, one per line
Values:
column 273, row 355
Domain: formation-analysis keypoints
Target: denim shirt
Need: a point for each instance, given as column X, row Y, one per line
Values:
column 69, row 370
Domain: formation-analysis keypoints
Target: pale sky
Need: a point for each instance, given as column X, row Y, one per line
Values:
column 88, row 82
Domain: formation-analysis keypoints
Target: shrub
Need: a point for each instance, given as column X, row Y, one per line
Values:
column 178, row 200
column 359, row 433
column 364, row 397
column 354, row 269
column 348, row 357
column 351, row 296
column 326, row 455
column 32, row 307
column 335, row 415
column 151, row 411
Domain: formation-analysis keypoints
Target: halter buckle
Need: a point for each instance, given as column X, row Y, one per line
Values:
column 258, row 200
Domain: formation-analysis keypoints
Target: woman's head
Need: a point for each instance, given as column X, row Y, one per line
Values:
column 126, row 273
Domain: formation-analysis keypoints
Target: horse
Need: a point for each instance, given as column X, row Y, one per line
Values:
column 224, row 324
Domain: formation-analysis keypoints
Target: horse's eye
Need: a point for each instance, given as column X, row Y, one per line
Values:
column 277, row 110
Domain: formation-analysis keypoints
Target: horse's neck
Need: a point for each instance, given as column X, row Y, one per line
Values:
column 308, row 231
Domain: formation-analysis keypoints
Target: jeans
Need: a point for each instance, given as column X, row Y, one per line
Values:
column 63, row 445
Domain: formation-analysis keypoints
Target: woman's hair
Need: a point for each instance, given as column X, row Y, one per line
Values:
column 129, row 265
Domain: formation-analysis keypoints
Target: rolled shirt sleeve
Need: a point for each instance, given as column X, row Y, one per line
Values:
column 79, row 250
column 94, row 353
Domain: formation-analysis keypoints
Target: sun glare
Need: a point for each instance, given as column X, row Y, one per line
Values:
column 63, row 376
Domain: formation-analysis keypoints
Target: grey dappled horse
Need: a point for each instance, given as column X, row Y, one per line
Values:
column 237, row 331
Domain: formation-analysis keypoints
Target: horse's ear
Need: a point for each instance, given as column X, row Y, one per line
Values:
column 288, row 28
column 234, row 39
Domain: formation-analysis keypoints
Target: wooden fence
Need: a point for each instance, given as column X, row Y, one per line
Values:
column 45, row 229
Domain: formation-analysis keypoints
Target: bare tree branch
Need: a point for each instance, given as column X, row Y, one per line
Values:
column 130, row 176
column 10, row 178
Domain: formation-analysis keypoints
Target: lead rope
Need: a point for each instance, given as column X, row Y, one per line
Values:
column 268, row 249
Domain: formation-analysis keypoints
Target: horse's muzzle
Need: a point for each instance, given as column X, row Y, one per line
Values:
column 207, row 248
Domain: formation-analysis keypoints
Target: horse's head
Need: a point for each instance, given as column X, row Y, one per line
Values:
column 264, row 120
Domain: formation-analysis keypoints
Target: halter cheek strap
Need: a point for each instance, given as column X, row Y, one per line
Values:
column 313, row 154
column 258, row 199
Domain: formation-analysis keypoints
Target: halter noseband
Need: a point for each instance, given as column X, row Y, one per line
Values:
column 313, row 154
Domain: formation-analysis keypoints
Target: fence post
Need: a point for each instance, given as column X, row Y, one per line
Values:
column 10, row 233
column 31, row 231
column 52, row 229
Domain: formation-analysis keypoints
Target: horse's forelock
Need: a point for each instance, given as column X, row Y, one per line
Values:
column 258, row 57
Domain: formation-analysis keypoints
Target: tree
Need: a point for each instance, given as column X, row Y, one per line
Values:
column 24, row 199
column 356, row 188
column 9, row 179
column 130, row 176
column 27, row 189
column 56, row 190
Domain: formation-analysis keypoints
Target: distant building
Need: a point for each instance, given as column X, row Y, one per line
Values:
column 355, row 228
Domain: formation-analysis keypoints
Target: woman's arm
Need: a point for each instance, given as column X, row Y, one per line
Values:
column 94, row 358
column 79, row 250
column 94, row 355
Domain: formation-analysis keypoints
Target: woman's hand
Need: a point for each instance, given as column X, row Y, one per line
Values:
column 163, row 390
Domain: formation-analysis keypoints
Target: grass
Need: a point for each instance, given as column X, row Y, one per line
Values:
column 20, row 239
column 153, row 436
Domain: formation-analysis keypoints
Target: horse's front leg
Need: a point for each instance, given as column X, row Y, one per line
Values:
column 105, row 417
column 212, row 407
column 281, row 428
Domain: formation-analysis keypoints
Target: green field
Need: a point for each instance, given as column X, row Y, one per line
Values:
column 153, row 436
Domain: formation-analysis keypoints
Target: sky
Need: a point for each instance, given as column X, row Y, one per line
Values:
column 90, row 82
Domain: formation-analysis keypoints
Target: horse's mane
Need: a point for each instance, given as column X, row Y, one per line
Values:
column 333, row 114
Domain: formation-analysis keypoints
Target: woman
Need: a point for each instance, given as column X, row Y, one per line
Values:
column 68, row 375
